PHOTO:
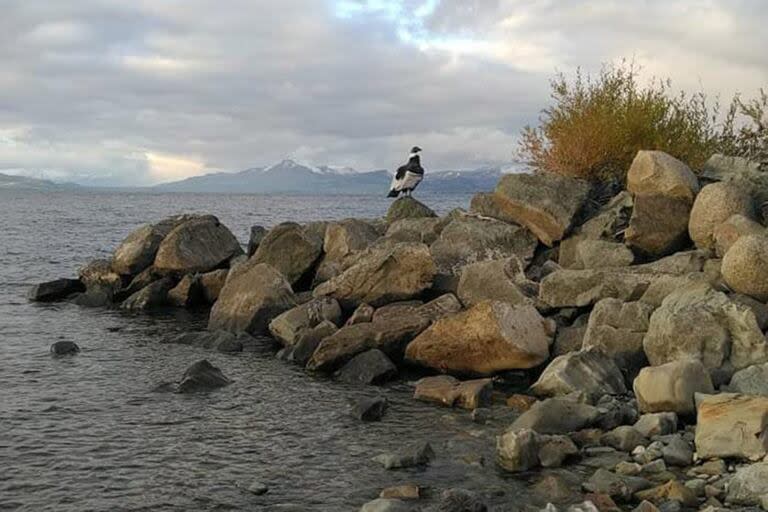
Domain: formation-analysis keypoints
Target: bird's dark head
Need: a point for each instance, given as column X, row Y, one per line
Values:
column 415, row 150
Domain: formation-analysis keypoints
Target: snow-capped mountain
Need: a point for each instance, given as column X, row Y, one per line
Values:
column 289, row 176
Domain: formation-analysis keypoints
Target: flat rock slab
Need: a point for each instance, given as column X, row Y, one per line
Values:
column 732, row 426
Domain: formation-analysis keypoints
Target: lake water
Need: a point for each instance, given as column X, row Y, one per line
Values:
column 87, row 432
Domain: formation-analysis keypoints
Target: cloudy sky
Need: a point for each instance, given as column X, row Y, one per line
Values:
column 145, row 91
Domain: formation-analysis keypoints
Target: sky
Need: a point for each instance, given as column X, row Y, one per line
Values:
column 111, row 92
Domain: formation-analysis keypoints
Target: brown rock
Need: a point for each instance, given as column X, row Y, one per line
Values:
column 490, row 280
column 489, row 337
column 197, row 245
column 670, row 491
column 745, row 266
column 672, row 386
column 187, row 293
column 737, row 226
column 212, row 284
column 401, row 492
column 659, row 225
column 451, row 392
column 290, row 249
column 715, row 204
column 657, row 173
column 408, row 208
column 521, row 403
column 732, row 426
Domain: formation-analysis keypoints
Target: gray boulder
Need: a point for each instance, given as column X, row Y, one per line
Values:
column 517, row 449
column 752, row 380
column 57, row 289
column 348, row 236
column 671, row 387
column 620, row 487
column 306, row 343
column 545, row 203
column 715, row 204
column 137, row 252
column 657, row 173
column 368, row 409
column 255, row 238
column 603, row 254
column 287, row 326
column 423, row 230
column 490, row 280
column 251, row 300
column 408, row 208
column 188, row 293
column 557, row 416
column 154, row 295
column 659, row 225
column 744, row 267
column 290, row 249
column 64, row 348
column 412, row 456
column 749, row 486
column 370, row 367
column 657, row 424
column 200, row 377
column 198, row 245
column 212, row 283
column 591, row 372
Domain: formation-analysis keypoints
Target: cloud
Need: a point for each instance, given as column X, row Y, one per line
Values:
column 139, row 92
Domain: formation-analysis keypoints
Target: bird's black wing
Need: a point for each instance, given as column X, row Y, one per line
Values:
column 400, row 174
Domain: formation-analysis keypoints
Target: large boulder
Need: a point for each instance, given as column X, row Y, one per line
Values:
column 138, row 250
column 557, row 416
column 251, row 300
column 57, row 289
column 659, row 225
column 752, row 380
column 591, row 372
column 746, row 173
column 198, row 245
column 468, row 240
column 389, row 337
column 370, row 367
column 749, row 486
column 154, row 295
column 657, row 173
column 490, row 280
column 745, row 266
column 100, row 279
column 408, row 208
column 448, row 391
column 290, row 249
column 672, row 386
column 715, row 204
column 602, row 254
column 545, row 203
column 287, row 326
column 491, row 336
column 423, row 230
column 617, row 329
column 697, row 322
column 727, row 233
column 344, row 237
column 732, row 426
column 382, row 276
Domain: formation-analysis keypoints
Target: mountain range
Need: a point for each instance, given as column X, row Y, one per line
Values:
column 290, row 177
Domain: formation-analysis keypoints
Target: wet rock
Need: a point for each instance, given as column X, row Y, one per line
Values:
column 64, row 348
column 368, row 409
column 401, row 492
column 248, row 302
column 187, row 293
column 554, row 450
column 745, row 269
column 101, row 280
column 732, row 426
column 749, row 485
column 671, row 387
column 451, row 392
column 591, row 372
column 211, row 284
column 517, row 449
column 624, row 438
column 656, row 172
column 557, row 416
column 425, row 230
column 255, row 238
column 715, row 204
column 198, row 245
column 202, row 376
column 391, row 338
column 152, row 296
column 728, row 232
column 467, row 240
column 659, row 225
column 603, row 254
column 670, row 491
column 287, row 326
column 385, row 505
column 221, row 341
column 419, row 455
column 677, row 452
column 621, row 487
column 370, row 367
column 307, row 342
column 489, row 337
column 363, row 314
column 57, row 289
column 617, row 329
column 138, row 250
column 459, row 500
column 545, row 203
column 490, row 280
column 381, row 277
column 408, row 208
column 657, row 424
column 752, row 380
column 697, row 322
column 290, row 249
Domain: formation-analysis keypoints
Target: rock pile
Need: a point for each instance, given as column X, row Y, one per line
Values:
column 638, row 324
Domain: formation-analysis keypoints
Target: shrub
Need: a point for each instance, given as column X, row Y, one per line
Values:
column 745, row 131
column 597, row 124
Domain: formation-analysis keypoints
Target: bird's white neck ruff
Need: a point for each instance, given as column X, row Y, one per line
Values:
column 412, row 155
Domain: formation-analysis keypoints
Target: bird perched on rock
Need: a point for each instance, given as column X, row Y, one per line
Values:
column 408, row 176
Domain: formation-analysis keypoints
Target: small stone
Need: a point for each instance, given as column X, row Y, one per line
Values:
column 368, row 409
column 616, row 486
column 521, row 403
column 657, row 424
column 603, row 502
column 401, row 492
column 671, row 491
column 258, row 488
column 624, row 438
column 385, row 505
column 419, row 455
column 553, row 450
column 697, row 485
column 628, row 468
column 518, row 450
column 460, row 500
column 677, row 452
column 656, row 466
column 714, row 467
column 646, row 506
column 64, row 348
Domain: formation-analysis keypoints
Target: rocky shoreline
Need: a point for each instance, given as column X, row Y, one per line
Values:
column 624, row 332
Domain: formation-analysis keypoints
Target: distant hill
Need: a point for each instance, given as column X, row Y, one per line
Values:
column 23, row 183
column 291, row 177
